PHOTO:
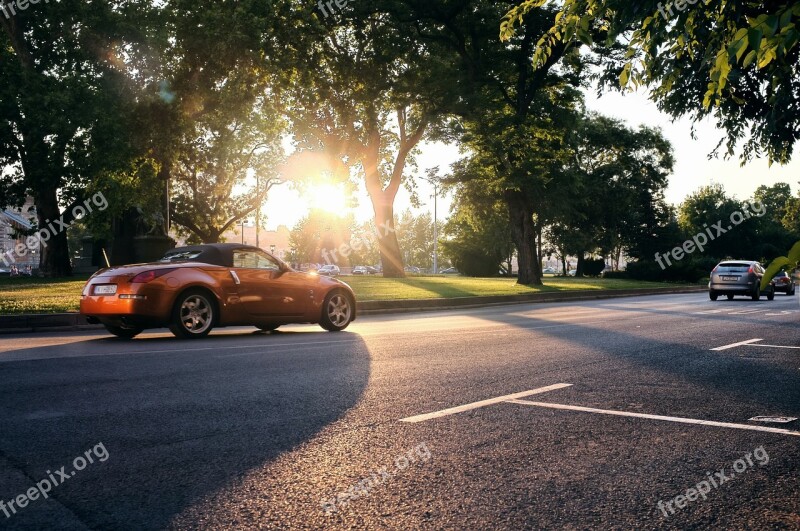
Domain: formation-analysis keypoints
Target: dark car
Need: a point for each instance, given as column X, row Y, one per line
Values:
column 738, row 277
column 783, row 282
column 194, row 289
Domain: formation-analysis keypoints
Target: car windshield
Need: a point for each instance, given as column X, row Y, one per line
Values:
column 733, row 267
column 180, row 256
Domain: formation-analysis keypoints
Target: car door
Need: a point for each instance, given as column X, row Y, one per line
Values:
column 265, row 288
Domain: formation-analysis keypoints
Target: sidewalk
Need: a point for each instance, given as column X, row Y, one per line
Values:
column 57, row 322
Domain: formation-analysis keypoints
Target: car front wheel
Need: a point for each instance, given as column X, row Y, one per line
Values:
column 337, row 312
column 193, row 316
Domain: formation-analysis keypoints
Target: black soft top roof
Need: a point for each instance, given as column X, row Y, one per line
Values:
column 220, row 254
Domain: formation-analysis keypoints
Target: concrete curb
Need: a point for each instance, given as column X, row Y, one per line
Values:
column 59, row 322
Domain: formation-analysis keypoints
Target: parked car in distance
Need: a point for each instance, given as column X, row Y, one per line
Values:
column 412, row 269
column 738, row 277
column 784, row 283
column 360, row 270
column 572, row 272
column 548, row 271
column 449, row 271
column 329, row 270
column 373, row 270
column 196, row 288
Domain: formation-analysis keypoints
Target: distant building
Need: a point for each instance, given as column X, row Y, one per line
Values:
column 13, row 223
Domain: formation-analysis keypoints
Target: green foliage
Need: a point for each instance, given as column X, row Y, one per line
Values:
column 781, row 263
column 477, row 237
column 686, row 270
column 734, row 61
column 415, row 235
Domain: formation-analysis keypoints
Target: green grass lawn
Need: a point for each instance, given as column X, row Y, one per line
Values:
column 26, row 295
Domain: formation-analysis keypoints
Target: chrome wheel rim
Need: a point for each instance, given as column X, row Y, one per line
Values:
column 339, row 310
column 196, row 314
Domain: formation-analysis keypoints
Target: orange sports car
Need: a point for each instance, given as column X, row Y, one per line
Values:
column 193, row 289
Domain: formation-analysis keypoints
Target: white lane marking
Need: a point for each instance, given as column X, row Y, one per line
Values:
column 681, row 420
column 773, row 346
column 483, row 403
column 740, row 343
column 708, row 312
column 746, row 312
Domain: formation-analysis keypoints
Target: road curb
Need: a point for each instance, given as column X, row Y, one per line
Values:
column 59, row 322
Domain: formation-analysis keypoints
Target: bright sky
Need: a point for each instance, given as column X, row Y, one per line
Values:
column 692, row 168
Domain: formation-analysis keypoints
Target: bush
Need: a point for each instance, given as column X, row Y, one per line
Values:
column 616, row 274
column 682, row 271
column 593, row 268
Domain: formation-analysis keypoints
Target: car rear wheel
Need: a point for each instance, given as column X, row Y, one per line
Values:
column 771, row 295
column 124, row 333
column 791, row 292
column 193, row 316
column 730, row 296
column 337, row 312
column 757, row 292
column 712, row 295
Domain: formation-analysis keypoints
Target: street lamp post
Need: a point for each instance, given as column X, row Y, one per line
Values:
column 435, row 224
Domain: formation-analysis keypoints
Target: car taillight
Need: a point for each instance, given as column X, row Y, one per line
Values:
column 751, row 269
column 148, row 276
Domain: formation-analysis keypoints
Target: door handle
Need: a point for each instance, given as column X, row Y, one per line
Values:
column 235, row 277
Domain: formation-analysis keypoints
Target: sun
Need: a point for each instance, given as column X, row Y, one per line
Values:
column 328, row 197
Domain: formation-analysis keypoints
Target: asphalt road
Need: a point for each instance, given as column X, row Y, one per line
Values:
column 306, row 429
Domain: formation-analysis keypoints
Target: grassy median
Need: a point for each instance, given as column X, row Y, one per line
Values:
column 26, row 295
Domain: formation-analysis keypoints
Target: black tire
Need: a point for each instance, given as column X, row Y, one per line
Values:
column 193, row 315
column 757, row 293
column 712, row 295
column 771, row 295
column 337, row 311
column 268, row 327
column 123, row 333
column 791, row 293
column 730, row 296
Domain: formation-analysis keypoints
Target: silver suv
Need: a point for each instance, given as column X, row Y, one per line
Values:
column 738, row 277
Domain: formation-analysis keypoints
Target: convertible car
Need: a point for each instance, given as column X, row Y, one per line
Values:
column 194, row 289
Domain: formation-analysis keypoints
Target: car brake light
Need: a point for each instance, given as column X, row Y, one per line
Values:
column 148, row 276
column 750, row 270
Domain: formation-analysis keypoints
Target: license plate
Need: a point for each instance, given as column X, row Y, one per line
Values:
column 105, row 289
column 730, row 278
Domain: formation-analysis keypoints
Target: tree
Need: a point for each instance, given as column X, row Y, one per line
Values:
column 67, row 113
column 513, row 120
column 711, row 205
column 477, row 241
column 415, row 235
column 317, row 234
column 239, row 142
column 364, row 96
column 734, row 61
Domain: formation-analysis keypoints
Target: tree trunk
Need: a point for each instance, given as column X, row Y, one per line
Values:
column 580, row 266
column 524, row 235
column 54, row 258
column 388, row 246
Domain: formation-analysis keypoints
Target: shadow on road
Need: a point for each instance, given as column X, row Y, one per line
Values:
column 179, row 423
